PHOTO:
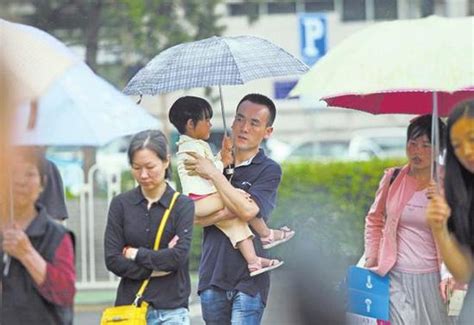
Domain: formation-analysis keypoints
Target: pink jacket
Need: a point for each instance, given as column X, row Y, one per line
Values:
column 381, row 232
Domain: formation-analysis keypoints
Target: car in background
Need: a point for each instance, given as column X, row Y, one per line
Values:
column 276, row 149
column 110, row 159
column 363, row 144
column 113, row 155
column 389, row 142
column 319, row 150
column 69, row 161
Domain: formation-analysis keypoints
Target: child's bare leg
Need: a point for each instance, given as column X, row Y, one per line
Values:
column 247, row 250
column 260, row 227
column 208, row 205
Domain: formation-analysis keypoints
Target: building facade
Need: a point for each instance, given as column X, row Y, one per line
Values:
column 280, row 23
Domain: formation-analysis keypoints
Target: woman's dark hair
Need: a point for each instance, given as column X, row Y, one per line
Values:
column 421, row 126
column 153, row 140
column 459, row 184
column 189, row 107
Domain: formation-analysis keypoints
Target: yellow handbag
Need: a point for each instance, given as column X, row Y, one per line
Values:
column 135, row 314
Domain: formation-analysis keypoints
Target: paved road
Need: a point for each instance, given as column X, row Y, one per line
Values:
column 278, row 310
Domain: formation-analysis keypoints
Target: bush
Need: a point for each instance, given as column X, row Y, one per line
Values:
column 327, row 203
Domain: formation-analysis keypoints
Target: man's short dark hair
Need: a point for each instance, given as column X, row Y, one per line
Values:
column 261, row 100
column 189, row 107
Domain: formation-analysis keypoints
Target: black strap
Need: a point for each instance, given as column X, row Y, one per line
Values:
column 395, row 173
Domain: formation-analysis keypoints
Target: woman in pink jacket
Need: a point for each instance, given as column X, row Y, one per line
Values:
column 398, row 240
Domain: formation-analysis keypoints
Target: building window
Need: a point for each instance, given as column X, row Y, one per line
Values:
column 353, row 10
column 242, row 9
column 385, row 9
column 318, row 5
column 427, row 8
column 281, row 7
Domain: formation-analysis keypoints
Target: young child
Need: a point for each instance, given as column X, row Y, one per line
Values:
column 191, row 116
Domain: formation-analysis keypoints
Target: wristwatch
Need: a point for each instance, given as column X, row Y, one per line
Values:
column 133, row 254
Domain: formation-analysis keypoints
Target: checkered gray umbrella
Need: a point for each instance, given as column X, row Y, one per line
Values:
column 211, row 62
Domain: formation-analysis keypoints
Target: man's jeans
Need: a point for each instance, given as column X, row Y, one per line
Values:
column 220, row 307
column 178, row 316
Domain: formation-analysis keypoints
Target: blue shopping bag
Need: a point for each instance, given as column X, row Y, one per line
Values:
column 368, row 293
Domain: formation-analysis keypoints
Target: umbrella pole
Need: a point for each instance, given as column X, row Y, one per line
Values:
column 6, row 257
column 435, row 141
column 10, row 194
column 222, row 111
column 229, row 170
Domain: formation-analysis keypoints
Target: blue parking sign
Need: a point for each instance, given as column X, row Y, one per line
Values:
column 313, row 42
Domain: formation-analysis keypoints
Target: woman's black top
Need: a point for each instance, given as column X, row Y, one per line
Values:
column 130, row 223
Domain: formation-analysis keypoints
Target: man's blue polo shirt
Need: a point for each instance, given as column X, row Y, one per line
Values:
column 221, row 265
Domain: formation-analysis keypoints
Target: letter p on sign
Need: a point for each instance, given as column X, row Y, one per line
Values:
column 313, row 29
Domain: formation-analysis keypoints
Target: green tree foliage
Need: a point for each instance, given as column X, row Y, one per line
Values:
column 127, row 32
column 130, row 32
column 139, row 30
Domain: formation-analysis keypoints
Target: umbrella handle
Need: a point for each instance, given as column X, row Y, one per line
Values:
column 223, row 111
column 33, row 117
column 6, row 262
column 435, row 141
column 229, row 171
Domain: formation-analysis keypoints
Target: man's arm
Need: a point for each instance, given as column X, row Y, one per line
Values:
column 243, row 207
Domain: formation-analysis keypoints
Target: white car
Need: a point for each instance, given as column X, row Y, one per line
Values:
column 113, row 156
column 319, row 150
column 362, row 144
column 378, row 143
column 276, row 149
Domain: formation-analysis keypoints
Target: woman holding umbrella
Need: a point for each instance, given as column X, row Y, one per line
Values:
column 452, row 219
column 398, row 240
column 38, row 274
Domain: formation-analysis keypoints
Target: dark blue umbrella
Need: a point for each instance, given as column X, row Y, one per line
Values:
column 214, row 61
